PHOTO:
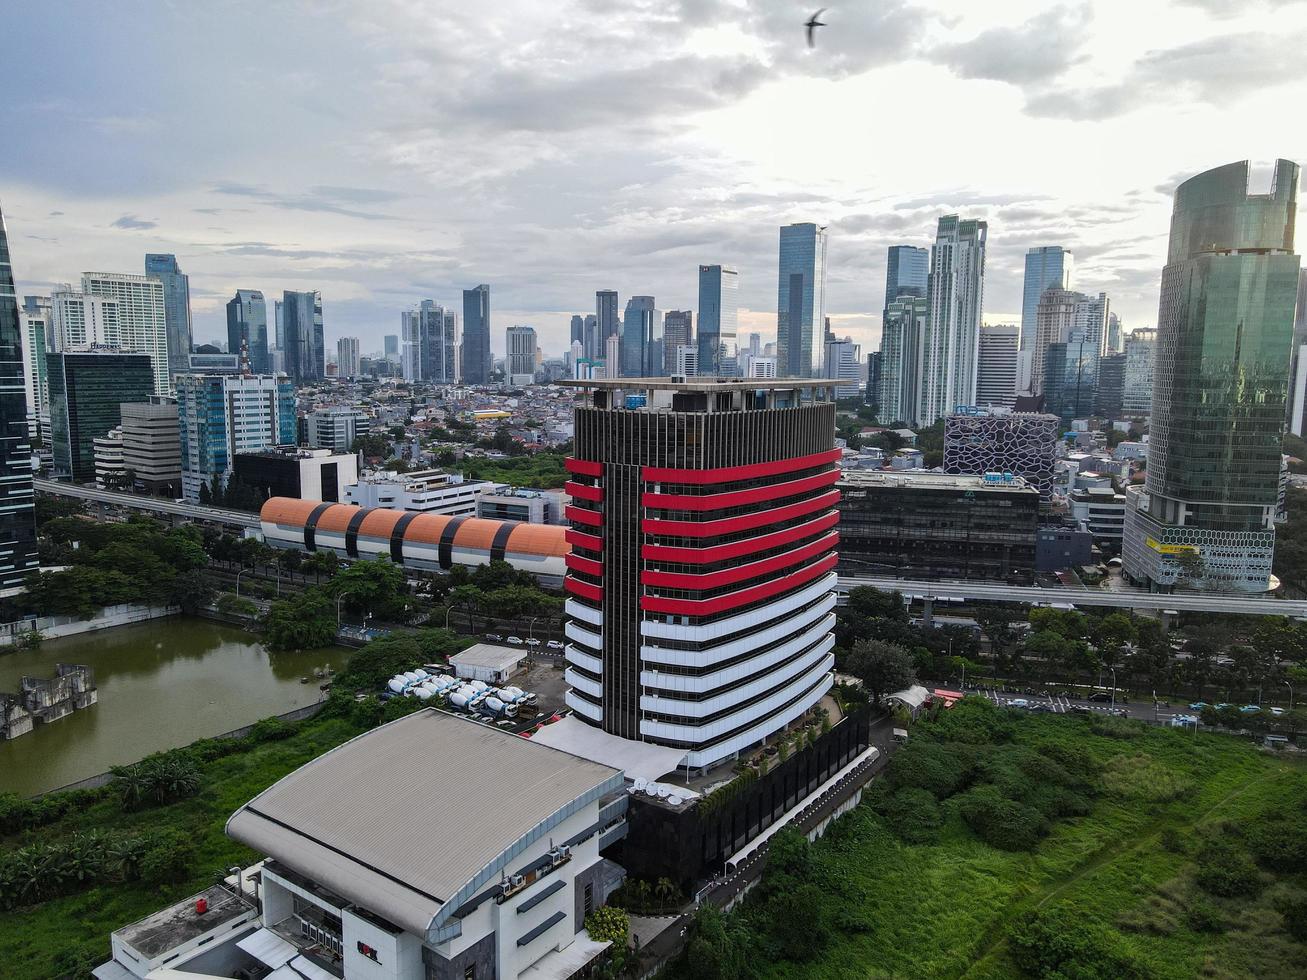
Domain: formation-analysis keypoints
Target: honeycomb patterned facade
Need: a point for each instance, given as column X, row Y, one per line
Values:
column 1022, row 443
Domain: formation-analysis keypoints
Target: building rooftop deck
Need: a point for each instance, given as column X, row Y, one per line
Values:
column 703, row 384
column 179, row 924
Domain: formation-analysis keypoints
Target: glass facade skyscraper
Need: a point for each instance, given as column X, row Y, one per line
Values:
column 247, row 323
column 305, row 350
column 87, row 391
column 1046, row 266
column 800, row 301
column 719, row 317
column 951, row 342
column 177, row 308
column 17, row 516
column 1205, row 517
column 641, row 332
column 477, row 362
column 906, row 272
column 220, row 416
column 900, row 367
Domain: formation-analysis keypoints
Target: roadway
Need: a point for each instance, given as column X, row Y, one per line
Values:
column 156, row 505
column 978, row 591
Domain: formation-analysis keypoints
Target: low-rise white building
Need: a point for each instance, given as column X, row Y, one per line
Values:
column 421, row 491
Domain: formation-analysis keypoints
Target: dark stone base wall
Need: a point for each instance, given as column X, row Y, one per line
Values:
column 480, row 953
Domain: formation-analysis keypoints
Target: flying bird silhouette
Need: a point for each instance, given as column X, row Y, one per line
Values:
column 812, row 25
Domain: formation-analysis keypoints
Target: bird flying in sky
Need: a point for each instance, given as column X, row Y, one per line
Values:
column 812, row 25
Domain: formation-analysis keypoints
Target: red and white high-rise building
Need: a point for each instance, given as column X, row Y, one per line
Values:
column 701, row 577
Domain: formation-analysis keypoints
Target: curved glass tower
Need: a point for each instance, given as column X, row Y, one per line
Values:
column 1205, row 516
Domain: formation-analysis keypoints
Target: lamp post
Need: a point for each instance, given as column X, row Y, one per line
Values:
column 238, row 581
column 1113, row 707
column 448, row 609
column 1290, row 687
column 339, row 599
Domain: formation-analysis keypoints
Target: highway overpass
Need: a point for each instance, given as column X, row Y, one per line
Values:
column 156, row 505
column 944, row 591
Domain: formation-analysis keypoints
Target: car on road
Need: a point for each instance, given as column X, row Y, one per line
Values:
column 1018, row 703
column 1222, row 706
column 555, row 644
column 1099, row 696
column 1276, row 711
column 1183, row 721
column 1250, row 709
column 515, row 641
column 494, row 638
column 1121, row 712
column 1083, row 709
column 1198, row 706
column 532, row 642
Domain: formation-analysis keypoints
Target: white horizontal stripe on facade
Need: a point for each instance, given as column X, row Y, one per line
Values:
column 820, row 614
column 583, row 684
column 578, row 610
column 575, row 631
column 699, row 709
column 742, row 672
column 746, row 620
column 707, row 732
column 583, row 707
column 586, row 661
column 715, row 753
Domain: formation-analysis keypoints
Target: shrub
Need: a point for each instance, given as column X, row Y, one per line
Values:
column 1295, row 918
column 234, row 605
column 1001, row 822
column 913, row 815
column 609, row 925
column 157, row 780
column 1066, row 942
column 270, row 730
column 167, row 858
column 1139, row 777
column 1227, row 871
column 1203, row 916
column 1278, row 842
column 931, row 766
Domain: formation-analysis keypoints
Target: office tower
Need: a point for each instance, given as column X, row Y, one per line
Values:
column 36, row 387
column 1297, row 407
column 18, row 557
column 1021, row 443
column 142, row 317
column 1046, row 267
column 336, row 428
column 642, row 339
column 996, row 365
column 430, row 351
column 247, row 324
column 590, row 341
column 763, row 367
column 391, row 349
column 1112, row 340
column 907, row 272
column 612, row 359
column 1065, row 316
column 607, row 323
column 1140, row 347
column 305, row 346
column 719, row 315
column 902, row 332
column 578, row 329
column 347, row 357
column 664, row 581
column 687, row 362
column 87, row 390
column 1110, row 396
column 678, row 331
column 279, row 324
column 1205, row 516
column 79, row 320
column 873, row 382
column 800, row 300
column 1071, row 376
column 952, row 337
column 477, row 362
column 521, row 364
column 843, row 361
column 151, row 445
column 219, row 416
column 176, row 308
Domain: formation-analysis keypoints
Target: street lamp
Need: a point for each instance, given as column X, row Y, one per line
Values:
column 339, row 598
column 238, row 581
column 1113, row 670
column 448, row 609
column 1290, row 687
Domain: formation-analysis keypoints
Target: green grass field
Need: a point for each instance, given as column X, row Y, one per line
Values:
column 1124, row 871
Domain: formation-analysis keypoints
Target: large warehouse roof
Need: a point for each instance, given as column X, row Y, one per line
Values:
column 360, row 819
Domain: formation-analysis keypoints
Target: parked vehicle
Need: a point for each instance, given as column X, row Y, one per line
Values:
column 1277, row 711
column 1198, row 706
column 532, row 642
column 555, row 644
column 494, row 638
column 1250, row 709
column 1018, row 703
column 515, row 641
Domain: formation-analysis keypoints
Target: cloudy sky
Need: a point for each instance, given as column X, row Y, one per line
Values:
column 393, row 150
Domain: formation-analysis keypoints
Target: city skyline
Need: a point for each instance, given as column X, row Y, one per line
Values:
column 377, row 223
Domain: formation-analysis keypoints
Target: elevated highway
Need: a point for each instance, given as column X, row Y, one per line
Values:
column 156, row 505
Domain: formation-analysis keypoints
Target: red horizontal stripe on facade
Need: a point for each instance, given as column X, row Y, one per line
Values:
column 584, row 589
column 710, row 580
column 584, row 467
column 736, row 549
column 587, row 565
column 733, row 600
column 717, row 501
column 582, row 492
column 583, row 516
column 725, row 525
column 729, row 474
column 580, row 539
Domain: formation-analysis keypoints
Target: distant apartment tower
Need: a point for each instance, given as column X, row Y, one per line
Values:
column 952, row 338
column 305, row 347
column 902, row 333
column 391, row 347
column 678, row 331
column 577, row 331
column 36, row 385
column 1022, row 443
column 142, row 318
column 247, row 324
column 1112, row 342
column 873, row 381
column 1110, row 397
column 687, row 362
column 683, row 559
column 477, row 361
column 176, row 308
column 1074, row 319
column 347, row 357
column 1047, row 266
column 843, row 362
column 219, row 416
column 719, row 316
column 87, row 391
column 907, row 272
column 336, row 428
column 801, row 300
column 521, row 348
column 996, row 365
column 18, row 554
column 151, row 445
column 80, row 319
column 1140, row 348
column 430, row 343
column 1205, row 516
